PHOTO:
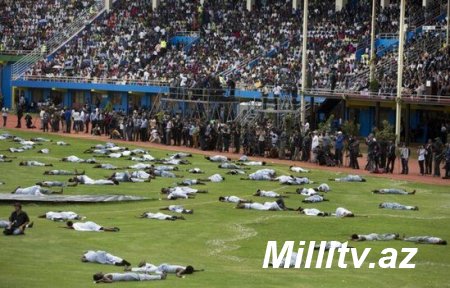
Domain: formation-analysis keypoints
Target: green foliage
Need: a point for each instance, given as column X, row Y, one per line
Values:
column 374, row 86
column 350, row 128
column 386, row 132
column 108, row 107
column 326, row 126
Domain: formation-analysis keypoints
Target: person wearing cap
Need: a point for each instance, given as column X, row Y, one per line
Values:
column 18, row 221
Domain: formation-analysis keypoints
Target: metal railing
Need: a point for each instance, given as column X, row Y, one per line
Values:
column 15, row 52
column 95, row 80
column 59, row 39
column 407, row 98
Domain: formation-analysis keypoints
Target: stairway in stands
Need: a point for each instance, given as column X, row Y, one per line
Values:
column 59, row 39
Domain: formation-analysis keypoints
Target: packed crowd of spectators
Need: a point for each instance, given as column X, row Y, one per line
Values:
column 25, row 25
column 249, row 49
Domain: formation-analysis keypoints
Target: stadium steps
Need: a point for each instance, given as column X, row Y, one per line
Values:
column 58, row 40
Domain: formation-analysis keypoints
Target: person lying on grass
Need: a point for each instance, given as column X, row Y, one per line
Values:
column 178, row 209
column 397, row 206
column 269, row 194
column 34, row 164
column 425, row 240
column 35, row 190
column 267, row 206
column 103, row 257
column 86, row 180
column 89, row 226
column 61, row 216
column 375, row 237
column 56, row 184
column 64, row 172
column 128, row 276
column 233, row 199
column 312, row 212
column 349, row 178
column 393, row 191
column 161, row 216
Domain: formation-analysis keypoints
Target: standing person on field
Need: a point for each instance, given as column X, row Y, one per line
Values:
column 421, row 152
column 438, row 151
column 429, row 157
column 404, row 156
column 4, row 115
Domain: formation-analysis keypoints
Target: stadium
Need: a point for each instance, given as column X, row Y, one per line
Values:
column 122, row 113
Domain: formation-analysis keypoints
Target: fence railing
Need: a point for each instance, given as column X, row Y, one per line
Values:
column 59, row 38
column 95, row 80
column 15, row 52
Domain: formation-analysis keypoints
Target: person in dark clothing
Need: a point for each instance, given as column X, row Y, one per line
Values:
column 306, row 153
column 18, row 221
column 68, row 118
column 353, row 146
column 447, row 162
column 438, row 151
column 429, row 157
column 237, row 138
column 383, row 153
column 29, row 121
column 19, row 116
column 390, row 157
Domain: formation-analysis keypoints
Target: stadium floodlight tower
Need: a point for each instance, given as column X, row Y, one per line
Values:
column 304, row 61
column 401, row 44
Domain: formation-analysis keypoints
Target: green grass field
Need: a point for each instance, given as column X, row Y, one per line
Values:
column 228, row 243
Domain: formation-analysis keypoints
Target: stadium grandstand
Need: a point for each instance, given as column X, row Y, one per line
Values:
column 232, row 60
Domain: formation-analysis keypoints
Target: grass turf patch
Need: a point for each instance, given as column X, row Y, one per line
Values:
column 228, row 243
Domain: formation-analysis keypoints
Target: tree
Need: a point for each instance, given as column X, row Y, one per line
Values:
column 350, row 128
column 326, row 126
column 386, row 132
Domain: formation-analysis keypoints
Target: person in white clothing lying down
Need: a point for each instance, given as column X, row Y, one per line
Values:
column 160, row 216
column 128, row 276
column 61, row 216
column 314, row 199
column 103, row 257
column 304, row 191
column 32, row 163
column 397, row 206
column 217, row 158
column 269, row 194
column 323, row 188
column 55, row 184
column 84, row 179
column 292, row 180
column 312, row 212
column 233, row 199
column 375, row 237
column 298, row 169
column 89, row 226
column 267, row 206
column 75, row 159
column 393, row 191
column 106, row 166
column 35, row 190
column 425, row 240
column 64, row 172
column 178, row 270
column 342, row 212
column 178, row 209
